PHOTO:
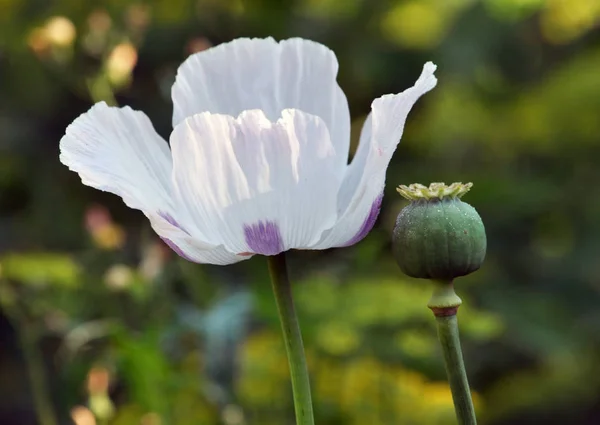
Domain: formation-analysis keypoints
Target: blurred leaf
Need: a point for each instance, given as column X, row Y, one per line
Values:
column 145, row 370
column 41, row 269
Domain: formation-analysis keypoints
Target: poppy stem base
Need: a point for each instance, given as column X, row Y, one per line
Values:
column 444, row 304
column 292, row 337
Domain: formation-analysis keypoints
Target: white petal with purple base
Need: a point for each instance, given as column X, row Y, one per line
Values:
column 360, row 195
column 259, row 153
column 263, row 187
column 117, row 150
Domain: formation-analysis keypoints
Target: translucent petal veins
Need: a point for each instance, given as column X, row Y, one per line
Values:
column 177, row 250
column 172, row 221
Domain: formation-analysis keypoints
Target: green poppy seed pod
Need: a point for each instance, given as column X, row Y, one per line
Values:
column 438, row 236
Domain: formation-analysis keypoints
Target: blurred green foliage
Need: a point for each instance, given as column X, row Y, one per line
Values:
column 115, row 329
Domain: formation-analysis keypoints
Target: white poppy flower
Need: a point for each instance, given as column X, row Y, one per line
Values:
column 258, row 162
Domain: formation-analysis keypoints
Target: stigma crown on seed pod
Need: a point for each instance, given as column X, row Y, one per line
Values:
column 418, row 191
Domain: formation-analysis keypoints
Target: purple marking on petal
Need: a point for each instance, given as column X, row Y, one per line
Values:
column 264, row 238
column 171, row 220
column 368, row 223
column 177, row 250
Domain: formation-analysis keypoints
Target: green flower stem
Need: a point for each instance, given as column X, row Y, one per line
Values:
column 37, row 375
column 293, row 340
column 444, row 303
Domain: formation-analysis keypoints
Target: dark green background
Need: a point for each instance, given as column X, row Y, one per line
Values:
column 516, row 111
